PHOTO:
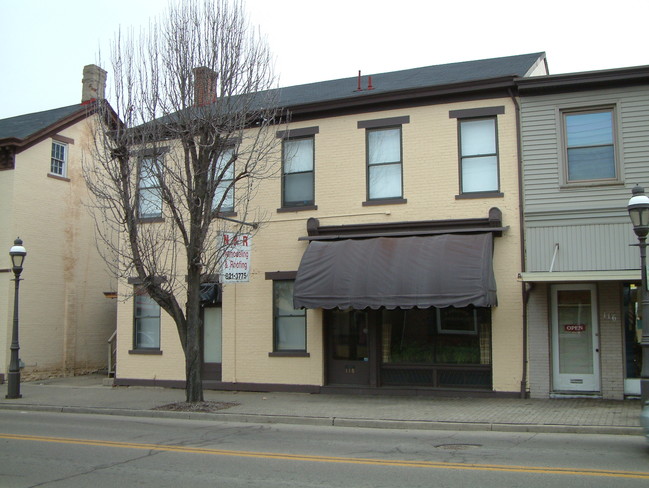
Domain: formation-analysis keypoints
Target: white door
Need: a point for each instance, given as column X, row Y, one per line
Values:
column 575, row 338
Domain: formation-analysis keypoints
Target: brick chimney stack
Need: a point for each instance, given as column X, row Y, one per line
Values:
column 204, row 86
column 94, row 83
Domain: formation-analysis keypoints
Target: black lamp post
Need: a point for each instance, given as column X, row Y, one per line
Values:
column 639, row 212
column 17, row 253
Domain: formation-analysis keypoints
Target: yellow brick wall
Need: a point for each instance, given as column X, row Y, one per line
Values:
column 430, row 182
column 65, row 319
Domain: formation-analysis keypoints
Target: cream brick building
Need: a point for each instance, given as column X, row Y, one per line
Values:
column 65, row 318
column 422, row 165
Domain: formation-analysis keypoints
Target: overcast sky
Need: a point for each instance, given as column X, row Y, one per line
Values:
column 46, row 43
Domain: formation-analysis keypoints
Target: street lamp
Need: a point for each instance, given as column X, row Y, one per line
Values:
column 639, row 212
column 17, row 253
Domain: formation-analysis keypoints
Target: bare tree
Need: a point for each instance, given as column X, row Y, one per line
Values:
column 194, row 102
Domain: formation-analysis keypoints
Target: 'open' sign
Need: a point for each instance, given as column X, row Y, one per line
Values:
column 574, row 327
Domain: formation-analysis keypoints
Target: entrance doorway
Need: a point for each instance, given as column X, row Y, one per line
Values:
column 212, row 343
column 349, row 351
column 575, row 338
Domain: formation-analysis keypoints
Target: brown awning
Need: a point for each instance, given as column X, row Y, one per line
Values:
column 397, row 272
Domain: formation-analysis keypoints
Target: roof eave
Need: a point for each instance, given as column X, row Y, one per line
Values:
column 422, row 94
column 71, row 119
column 585, row 80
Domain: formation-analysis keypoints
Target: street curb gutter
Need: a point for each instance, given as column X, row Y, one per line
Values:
column 337, row 421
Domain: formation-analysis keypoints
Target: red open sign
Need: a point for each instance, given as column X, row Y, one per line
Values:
column 574, row 327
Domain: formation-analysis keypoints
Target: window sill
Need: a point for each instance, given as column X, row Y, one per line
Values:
column 297, row 208
column 384, row 201
column 57, row 177
column 229, row 213
column 589, row 184
column 289, row 354
column 479, row 194
column 146, row 352
column 150, row 220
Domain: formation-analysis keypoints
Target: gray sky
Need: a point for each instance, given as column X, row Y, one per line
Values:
column 46, row 43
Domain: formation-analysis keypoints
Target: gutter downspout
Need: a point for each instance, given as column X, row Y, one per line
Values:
column 524, row 291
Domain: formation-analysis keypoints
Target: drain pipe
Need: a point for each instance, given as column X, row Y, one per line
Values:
column 524, row 290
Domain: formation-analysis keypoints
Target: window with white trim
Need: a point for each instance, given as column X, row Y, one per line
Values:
column 59, row 161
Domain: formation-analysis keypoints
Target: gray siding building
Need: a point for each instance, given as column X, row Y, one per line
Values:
column 585, row 145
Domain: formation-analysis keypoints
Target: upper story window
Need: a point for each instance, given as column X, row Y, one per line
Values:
column 298, row 183
column 149, row 191
column 384, row 164
column 478, row 155
column 589, row 146
column 478, row 151
column 59, row 162
column 224, row 193
column 146, row 322
column 384, row 158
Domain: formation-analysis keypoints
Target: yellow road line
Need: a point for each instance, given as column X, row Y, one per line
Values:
column 330, row 459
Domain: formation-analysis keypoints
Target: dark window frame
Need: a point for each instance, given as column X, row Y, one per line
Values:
column 230, row 187
column 369, row 165
column 477, row 115
column 148, row 217
column 304, row 203
column 565, row 167
column 294, row 134
column 281, row 277
column 137, row 348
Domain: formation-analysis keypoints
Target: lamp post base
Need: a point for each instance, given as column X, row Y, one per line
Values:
column 13, row 385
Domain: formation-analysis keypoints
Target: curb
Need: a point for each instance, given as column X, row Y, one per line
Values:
column 337, row 421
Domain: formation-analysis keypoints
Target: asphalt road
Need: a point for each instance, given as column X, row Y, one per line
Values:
column 67, row 450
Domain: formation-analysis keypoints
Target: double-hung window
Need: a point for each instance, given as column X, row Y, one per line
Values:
column 224, row 176
column 589, row 145
column 59, row 161
column 478, row 155
column 384, row 163
column 479, row 169
column 146, row 322
column 289, row 323
column 298, row 170
column 149, row 191
column 384, row 156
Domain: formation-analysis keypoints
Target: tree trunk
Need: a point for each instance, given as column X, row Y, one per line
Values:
column 193, row 356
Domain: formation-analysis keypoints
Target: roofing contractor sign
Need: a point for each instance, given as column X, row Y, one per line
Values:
column 235, row 267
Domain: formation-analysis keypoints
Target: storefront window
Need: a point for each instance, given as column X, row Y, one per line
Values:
column 436, row 336
column 439, row 348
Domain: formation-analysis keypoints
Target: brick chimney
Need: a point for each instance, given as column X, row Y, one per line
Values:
column 204, row 86
column 94, row 83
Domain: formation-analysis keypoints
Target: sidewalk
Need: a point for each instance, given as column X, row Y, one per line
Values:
column 87, row 394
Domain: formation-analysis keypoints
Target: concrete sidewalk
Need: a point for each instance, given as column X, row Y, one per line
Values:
column 87, row 394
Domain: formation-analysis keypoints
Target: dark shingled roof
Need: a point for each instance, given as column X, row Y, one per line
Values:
column 23, row 126
column 410, row 79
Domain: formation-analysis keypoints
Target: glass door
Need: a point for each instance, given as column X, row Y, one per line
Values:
column 575, row 341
